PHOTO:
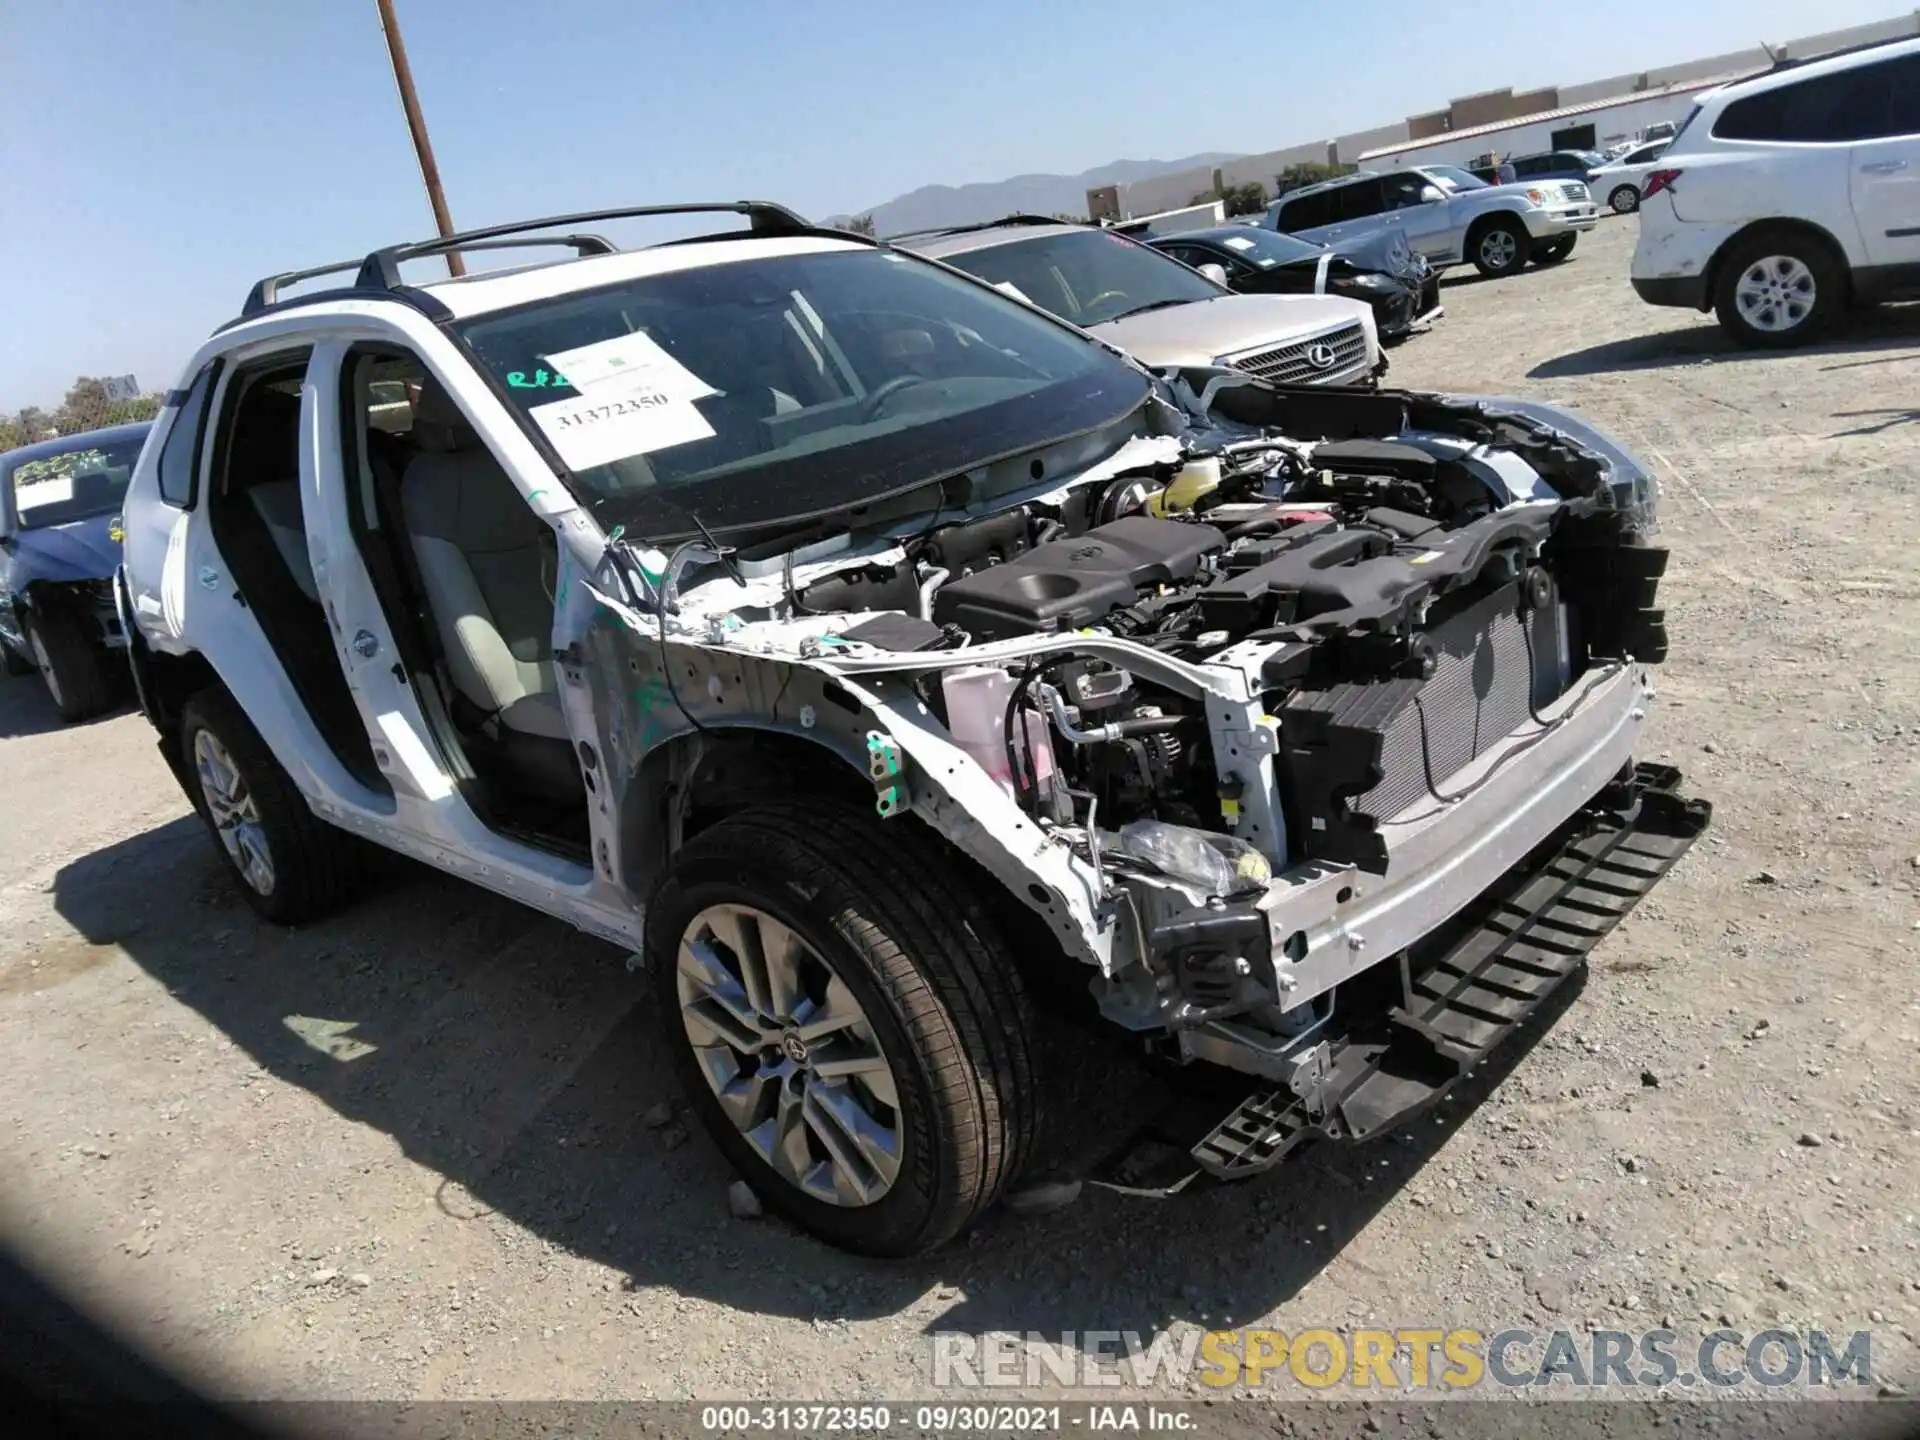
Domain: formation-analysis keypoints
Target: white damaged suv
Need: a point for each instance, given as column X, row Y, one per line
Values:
column 888, row 663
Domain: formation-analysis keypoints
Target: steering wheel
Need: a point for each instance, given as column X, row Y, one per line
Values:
column 1104, row 295
column 870, row 407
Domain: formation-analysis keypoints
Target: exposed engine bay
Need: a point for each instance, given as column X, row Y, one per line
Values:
column 1276, row 704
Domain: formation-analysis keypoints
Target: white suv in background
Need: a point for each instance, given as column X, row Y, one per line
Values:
column 1788, row 197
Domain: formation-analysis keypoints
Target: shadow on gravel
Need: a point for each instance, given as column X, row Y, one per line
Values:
column 1890, row 327
column 516, row 1059
column 1463, row 277
column 27, row 709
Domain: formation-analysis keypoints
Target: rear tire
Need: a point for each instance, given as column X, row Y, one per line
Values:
column 291, row 865
column 1554, row 251
column 1779, row 288
column 1499, row 247
column 70, row 664
column 886, row 932
column 1624, row 200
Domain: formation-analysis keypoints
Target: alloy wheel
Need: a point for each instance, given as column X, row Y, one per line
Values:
column 1776, row 293
column 235, row 815
column 790, row 1055
column 1498, row 249
column 44, row 663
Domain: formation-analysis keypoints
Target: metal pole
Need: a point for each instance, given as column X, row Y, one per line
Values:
column 417, row 125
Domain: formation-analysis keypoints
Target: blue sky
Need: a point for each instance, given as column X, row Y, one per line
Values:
column 161, row 155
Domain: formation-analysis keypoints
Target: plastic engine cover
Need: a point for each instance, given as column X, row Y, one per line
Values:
column 1069, row 583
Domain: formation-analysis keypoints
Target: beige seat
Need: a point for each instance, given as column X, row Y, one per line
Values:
column 277, row 503
column 486, row 562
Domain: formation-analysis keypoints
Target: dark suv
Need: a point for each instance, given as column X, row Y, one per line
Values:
column 1557, row 165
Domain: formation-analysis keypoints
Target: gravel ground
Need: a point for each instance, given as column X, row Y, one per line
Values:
column 425, row 1150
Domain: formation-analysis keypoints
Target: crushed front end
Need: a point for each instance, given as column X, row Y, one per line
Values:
column 1309, row 728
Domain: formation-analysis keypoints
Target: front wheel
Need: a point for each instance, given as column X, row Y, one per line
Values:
column 291, row 865
column 70, row 664
column 1778, row 289
column 1500, row 248
column 1625, row 199
column 847, row 1022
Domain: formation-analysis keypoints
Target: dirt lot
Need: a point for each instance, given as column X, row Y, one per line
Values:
column 415, row 1152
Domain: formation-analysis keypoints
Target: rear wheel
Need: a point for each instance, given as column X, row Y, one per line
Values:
column 1499, row 247
column 846, row 1021
column 1777, row 289
column 1554, row 251
column 1625, row 199
column 291, row 865
column 69, row 663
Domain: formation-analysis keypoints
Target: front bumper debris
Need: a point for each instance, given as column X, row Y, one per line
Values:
column 1530, row 934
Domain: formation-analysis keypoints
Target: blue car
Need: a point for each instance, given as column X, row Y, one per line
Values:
column 59, row 546
column 1556, row 165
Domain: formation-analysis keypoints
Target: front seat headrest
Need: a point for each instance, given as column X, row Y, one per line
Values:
column 438, row 422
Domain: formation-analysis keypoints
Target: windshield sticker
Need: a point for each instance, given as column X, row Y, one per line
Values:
column 539, row 380
column 627, row 360
column 53, row 491
column 615, row 422
column 1236, row 242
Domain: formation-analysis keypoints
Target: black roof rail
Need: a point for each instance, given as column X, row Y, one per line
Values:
column 1017, row 218
column 267, row 292
column 1793, row 62
column 379, row 272
column 381, row 269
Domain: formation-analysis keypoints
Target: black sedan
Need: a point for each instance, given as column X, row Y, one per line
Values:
column 1383, row 271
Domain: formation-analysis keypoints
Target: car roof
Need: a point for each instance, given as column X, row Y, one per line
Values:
column 939, row 246
column 1216, row 233
column 487, row 290
column 1786, row 72
column 67, row 444
column 1333, row 184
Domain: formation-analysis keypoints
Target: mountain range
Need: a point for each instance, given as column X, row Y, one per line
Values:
column 934, row 206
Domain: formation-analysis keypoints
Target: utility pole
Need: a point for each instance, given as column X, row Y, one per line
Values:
column 417, row 125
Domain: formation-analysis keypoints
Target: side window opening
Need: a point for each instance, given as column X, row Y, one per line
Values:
column 180, row 454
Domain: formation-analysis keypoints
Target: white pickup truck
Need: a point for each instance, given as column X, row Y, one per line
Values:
column 1447, row 215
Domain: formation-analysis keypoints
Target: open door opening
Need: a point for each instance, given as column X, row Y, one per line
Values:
column 465, row 572
column 255, row 515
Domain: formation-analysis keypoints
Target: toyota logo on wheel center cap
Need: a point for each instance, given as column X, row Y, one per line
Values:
column 794, row 1047
column 1321, row 357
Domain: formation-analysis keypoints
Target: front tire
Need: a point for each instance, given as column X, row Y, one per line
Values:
column 291, row 865
column 1778, row 289
column 1625, row 199
column 69, row 664
column 845, row 1018
column 1500, row 247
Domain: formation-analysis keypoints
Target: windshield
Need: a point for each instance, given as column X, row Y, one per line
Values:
column 773, row 389
column 78, row 484
column 1453, row 178
column 1088, row 276
column 1266, row 248
column 1592, row 159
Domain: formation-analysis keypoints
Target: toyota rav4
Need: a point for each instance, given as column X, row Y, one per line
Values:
column 873, row 653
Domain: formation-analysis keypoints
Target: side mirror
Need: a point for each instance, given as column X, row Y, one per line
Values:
column 1215, row 273
column 1431, row 195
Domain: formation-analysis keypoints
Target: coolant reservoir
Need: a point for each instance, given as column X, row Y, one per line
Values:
column 1196, row 479
column 977, row 716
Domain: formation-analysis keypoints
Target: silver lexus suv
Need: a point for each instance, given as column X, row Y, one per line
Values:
column 1447, row 215
column 1163, row 313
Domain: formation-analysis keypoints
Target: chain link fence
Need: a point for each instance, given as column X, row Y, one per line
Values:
column 92, row 402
